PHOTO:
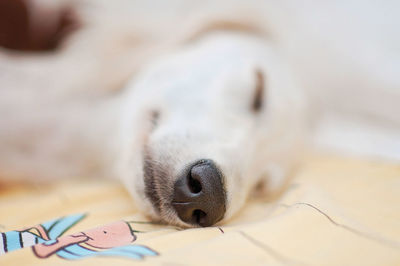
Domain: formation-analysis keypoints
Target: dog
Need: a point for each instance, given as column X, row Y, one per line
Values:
column 193, row 117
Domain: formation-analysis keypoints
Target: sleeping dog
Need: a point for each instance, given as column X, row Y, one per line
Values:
column 193, row 107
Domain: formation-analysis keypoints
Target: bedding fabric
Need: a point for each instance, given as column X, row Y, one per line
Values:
column 336, row 211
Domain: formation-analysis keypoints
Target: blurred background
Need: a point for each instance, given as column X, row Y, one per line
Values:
column 345, row 54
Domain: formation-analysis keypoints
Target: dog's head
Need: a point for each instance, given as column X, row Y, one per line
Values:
column 222, row 117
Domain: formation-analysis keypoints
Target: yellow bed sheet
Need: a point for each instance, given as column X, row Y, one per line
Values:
column 337, row 211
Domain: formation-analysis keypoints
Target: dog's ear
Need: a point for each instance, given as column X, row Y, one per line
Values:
column 259, row 91
column 34, row 26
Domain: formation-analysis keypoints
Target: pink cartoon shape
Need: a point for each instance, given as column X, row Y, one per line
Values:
column 109, row 236
column 85, row 243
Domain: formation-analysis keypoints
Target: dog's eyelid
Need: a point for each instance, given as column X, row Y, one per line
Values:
column 154, row 117
column 257, row 103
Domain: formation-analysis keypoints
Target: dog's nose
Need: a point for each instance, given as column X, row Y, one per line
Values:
column 199, row 196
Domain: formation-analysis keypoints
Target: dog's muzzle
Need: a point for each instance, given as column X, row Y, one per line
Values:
column 199, row 196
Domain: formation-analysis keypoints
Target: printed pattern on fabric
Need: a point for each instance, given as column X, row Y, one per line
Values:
column 46, row 239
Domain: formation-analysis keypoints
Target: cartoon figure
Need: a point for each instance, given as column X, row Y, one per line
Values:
column 14, row 240
column 109, row 240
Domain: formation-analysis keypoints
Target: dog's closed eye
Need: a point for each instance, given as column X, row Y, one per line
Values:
column 259, row 92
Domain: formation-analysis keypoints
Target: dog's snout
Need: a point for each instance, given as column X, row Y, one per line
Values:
column 199, row 196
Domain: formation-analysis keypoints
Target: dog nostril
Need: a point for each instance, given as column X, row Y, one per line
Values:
column 199, row 196
column 194, row 183
column 199, row 217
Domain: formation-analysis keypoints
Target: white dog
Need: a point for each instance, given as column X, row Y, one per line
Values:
column 216, row 102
